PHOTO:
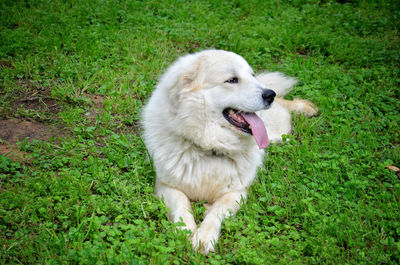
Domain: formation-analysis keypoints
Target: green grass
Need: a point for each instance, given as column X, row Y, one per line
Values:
column 326, row 197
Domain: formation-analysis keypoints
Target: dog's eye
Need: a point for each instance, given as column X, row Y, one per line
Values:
column 233, row 80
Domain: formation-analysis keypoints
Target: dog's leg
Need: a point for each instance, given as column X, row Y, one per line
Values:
column 208, row 233
column 179, row 206
column 299, row 106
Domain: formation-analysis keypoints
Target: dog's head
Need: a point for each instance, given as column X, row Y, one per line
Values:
column 213, row 98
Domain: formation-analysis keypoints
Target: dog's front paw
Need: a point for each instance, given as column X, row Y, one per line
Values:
column 204, row 239
column 307, row 107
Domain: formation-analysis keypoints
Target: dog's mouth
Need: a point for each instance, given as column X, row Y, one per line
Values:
column 248, row 122
column 236, row 118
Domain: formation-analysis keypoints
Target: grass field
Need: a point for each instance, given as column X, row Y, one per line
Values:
column 75, row 183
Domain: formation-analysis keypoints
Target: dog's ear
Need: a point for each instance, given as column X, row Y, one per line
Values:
column 192, row 80
column 181, row 77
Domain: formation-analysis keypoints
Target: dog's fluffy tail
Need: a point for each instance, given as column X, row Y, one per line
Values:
column 278, row 82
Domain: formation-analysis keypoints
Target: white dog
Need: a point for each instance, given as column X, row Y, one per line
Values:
column 206, row 125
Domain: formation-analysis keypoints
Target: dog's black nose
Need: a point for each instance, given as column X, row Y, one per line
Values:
column 268, row 96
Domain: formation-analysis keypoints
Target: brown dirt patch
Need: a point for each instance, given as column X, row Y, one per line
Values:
column 35, row 98
column 40, row 103
column 11, row 152
column 14, row 130
column 31, row 96
column 96, row 100
column 96, row 105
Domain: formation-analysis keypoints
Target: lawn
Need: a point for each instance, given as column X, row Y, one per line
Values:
column 76, row 184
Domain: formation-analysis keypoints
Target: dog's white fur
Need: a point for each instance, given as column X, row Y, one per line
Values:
column 197, row 154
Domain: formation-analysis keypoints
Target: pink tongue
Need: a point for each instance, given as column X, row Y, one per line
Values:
column 257, row 128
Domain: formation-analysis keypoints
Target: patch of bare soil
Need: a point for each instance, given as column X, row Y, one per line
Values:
column 32, row 97
column 96, row 105
column 11, row 152
column 14, row 130
column 39, row 103
column 36, row 98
